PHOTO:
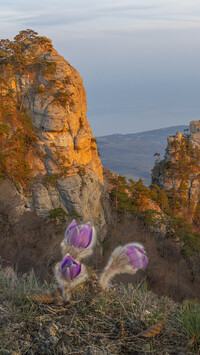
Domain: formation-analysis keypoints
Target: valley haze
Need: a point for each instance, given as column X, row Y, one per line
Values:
column 132, row 155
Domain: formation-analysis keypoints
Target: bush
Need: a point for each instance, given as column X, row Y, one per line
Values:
column 48, row 67
column 51, row 179
column 191, row 244
column 62, row 98
column 58, row 214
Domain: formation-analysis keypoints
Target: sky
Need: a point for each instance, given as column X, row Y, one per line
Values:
column 139, row 59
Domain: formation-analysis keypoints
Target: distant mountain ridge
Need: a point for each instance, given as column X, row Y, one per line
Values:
column 132, row 155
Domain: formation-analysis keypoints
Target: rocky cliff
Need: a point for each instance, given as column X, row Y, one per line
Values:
column 179, row 173
column 49, row 164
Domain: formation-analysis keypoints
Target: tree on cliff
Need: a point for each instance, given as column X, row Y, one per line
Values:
column 17, row 58
column 119, row 193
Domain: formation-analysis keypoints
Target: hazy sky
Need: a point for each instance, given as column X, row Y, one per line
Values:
column 139, row 59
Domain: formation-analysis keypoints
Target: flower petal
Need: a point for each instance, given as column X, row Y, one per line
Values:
column 69, row 268
column 74, row 270
column 141, row 250
column 85, row 236
column 144, row 261
column 72, row 225
column 66, row 261
column 74, row 237
column 134, row 257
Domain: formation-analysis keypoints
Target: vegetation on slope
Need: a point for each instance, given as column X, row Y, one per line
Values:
column 123, row 320
column 18, row 58
column 154, row 209
column 184, row 168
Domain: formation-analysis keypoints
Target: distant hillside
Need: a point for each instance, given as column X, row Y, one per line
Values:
column 132, row 155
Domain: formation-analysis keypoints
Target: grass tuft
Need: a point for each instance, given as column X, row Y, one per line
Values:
column 190, row 317
column 95, row 321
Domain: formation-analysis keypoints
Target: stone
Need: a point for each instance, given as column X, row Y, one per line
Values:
column 65, row 139
column 66, row 169
column 195, row 134
column 11, row 200
column 180, row 169
column 42, row 201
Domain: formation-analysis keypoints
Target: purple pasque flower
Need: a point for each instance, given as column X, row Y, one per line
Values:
column 69, row 268
column 79, row 236
column 136, row 255
column 124, row 259
column 69, row 273
column 79, row 240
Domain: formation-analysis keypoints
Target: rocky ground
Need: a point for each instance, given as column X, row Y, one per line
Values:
column 124, row 320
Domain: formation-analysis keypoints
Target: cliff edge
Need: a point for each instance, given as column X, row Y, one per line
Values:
column 179, row 173
column 49, row 164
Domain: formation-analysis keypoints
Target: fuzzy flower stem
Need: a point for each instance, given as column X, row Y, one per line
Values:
column 127, row 259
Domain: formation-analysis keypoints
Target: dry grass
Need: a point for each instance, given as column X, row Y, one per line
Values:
column 94, row 322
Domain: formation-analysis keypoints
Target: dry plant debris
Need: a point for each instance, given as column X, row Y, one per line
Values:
column 95, row 321
column 41, row 298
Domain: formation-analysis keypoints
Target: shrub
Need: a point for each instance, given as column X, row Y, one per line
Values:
column 48, row 67
column 191, row 243
column 66, row 80
column 51, row 179
column 58, row 214
column 62, row 98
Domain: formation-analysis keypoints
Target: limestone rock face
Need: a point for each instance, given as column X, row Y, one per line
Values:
column 195, row 134
column 179, row 173
column 11, row 200
column 67, row 171
column 58, row 112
